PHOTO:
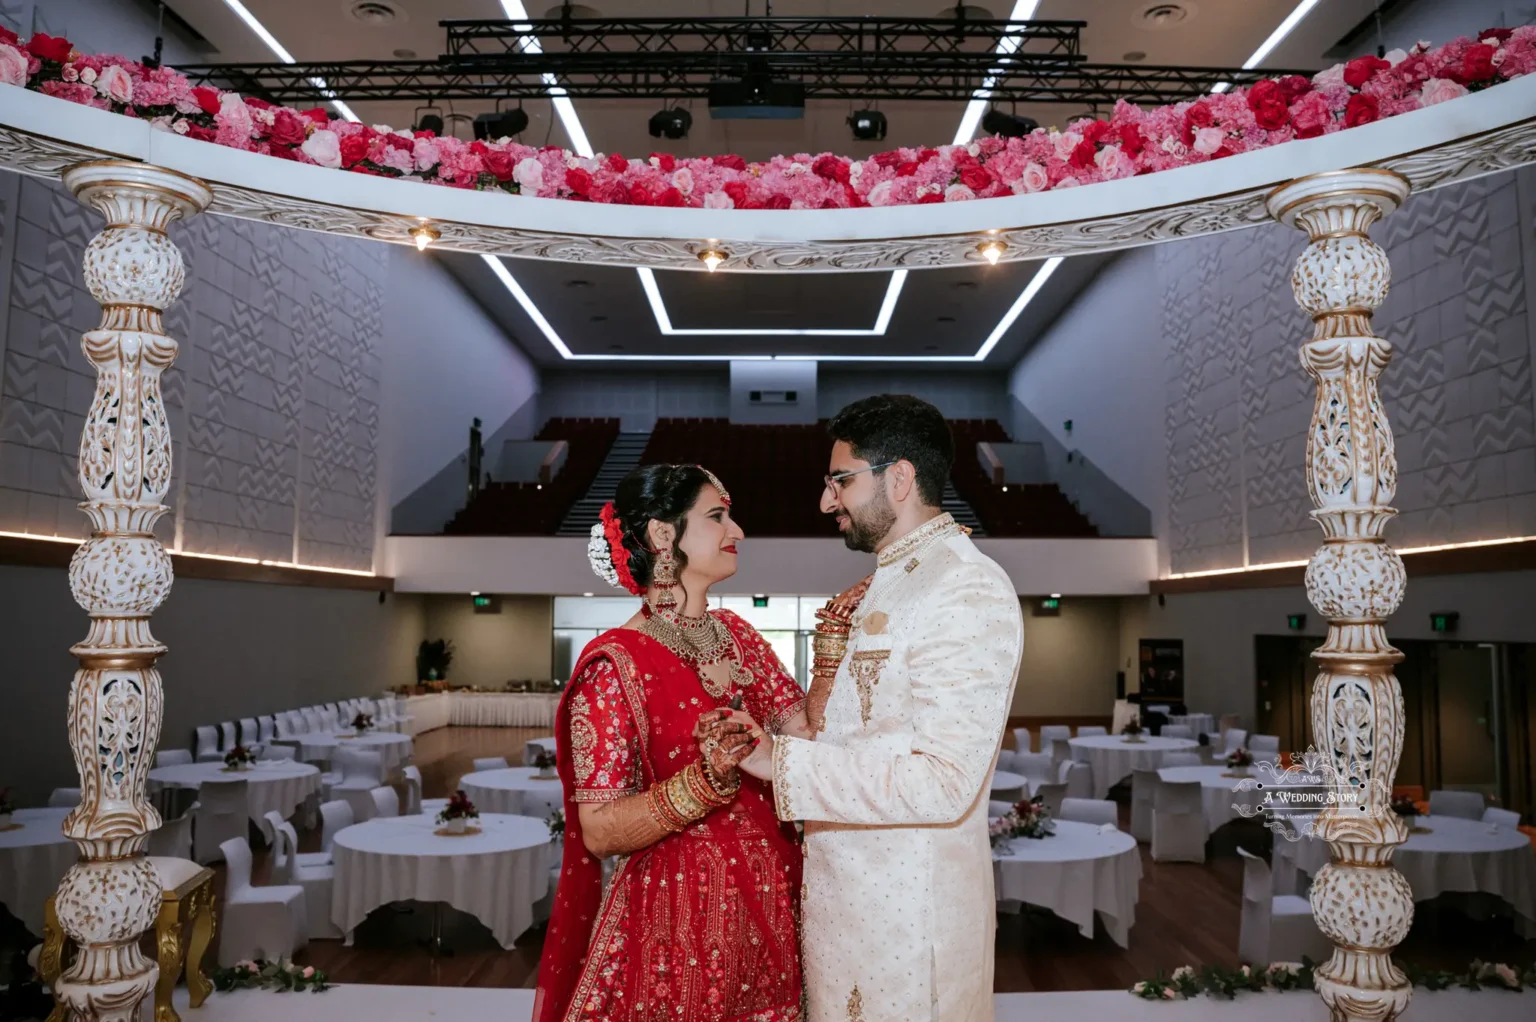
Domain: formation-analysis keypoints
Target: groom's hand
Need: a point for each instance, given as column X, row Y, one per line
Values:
column 759, row 762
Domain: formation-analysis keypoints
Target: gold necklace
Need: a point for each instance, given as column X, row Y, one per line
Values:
column 699, row 643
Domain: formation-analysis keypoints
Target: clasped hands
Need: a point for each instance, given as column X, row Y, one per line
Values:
column 729, row 740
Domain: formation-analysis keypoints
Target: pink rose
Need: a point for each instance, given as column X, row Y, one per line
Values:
column 88, row 75
column 1035, row 178
column 1208, row 140
column 114, row 83
column 309, row 971
column 529, row 175
column 1114, row 163
column 397, row 159
column 426, row 154
column 1438, row 90
column 13, row 66
column 958, row 193
column 323, row 147
column 682, row 180
column 234, row 114
column 1068, row 182
column 1065, row 143
column 880, row 195
column 719, row 200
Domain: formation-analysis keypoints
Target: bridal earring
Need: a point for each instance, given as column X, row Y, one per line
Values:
column 664, row 578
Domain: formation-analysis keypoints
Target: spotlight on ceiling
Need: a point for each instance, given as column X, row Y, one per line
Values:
column 867, row 125
column 995, row 122
column 500, row 124
column 673, row 123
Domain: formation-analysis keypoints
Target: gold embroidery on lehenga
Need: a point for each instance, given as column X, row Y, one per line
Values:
column 583, row 738
column 856, row 1005
column 865, row 667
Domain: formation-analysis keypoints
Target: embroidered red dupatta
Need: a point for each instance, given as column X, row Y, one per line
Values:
column 702, row 925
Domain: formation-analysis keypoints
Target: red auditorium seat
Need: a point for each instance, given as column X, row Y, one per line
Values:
column 526, row 509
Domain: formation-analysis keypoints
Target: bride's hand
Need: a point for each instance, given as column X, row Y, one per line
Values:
column 723, row 742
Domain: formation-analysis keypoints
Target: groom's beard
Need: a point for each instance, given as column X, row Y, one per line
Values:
column 869, row 524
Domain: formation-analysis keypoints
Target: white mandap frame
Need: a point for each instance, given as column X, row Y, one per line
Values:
column 1333, row 187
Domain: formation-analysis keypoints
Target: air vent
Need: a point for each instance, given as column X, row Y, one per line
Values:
column 774, row 397
column 1160, row 17
column 376, row 13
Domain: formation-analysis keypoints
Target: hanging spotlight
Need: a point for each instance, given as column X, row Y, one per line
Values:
column 867, row 125
column 995, row 122
column 673, row 123
column 500, row 124
column 429, row 118
column 424, row 236
column 992, row 250
column 712, row 257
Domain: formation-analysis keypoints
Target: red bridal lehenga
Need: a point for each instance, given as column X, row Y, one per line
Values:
column 701, row 926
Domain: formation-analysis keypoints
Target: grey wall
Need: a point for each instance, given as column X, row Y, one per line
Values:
column 747, row 377
column 490, row 650
column 981, row 394
column 638, row 397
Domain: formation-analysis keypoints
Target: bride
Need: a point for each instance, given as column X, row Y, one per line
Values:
column 699, row 920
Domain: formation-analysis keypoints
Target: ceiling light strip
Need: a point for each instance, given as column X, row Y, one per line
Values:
column 76, row 541
column 1023, row 10
column 564, row 109
column 1404, row 552
column 664, row 319
column 1275, row 38
column 1026, row 296
column 282, row 54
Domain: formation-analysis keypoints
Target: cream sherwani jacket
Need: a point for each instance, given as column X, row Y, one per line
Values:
column 899, row 912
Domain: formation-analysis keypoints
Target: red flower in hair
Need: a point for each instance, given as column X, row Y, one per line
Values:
column 613, row 531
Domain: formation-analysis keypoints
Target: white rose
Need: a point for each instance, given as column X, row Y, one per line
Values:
column 1068, row 182
column 323, row 147
column 1208, row 140
column 1395, row 57
column 958, row 193
column 383, row 129
column 88, row 76
column 879, row 195
column 682, row 180
column 181, row 126
column 795, row 167
column 974, row 148
column 1438, row 90
column 718, row 200
column 529, row 175
column 1065, row 142
column 932, row 189
column 1333, row 78
column 13, row 66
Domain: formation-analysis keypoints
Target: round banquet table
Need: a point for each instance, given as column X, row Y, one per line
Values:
column 1198, row 723
column 33, row 859
column 1009, row 786
column 1218, row 791
column 394, row 748
column 1078, row 871
column 513, row 790
column 1113, row 758
column 495, row 876
column 272, row 784
column 1455, row 855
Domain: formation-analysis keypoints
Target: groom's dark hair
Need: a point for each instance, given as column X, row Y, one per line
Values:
column 897, row 427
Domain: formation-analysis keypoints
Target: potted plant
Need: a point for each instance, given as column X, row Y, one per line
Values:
column 1239, row 761
column 7, row 807
column 1133, row 731
column 545, row 763
column 432, row 659
column 239, row 758
column 362, row 723
column 457, row 813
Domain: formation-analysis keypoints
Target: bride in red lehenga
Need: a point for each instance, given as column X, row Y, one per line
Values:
column 699, row 920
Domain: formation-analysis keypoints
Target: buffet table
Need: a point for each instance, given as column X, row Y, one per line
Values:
column 503, row 709
column 427, row 713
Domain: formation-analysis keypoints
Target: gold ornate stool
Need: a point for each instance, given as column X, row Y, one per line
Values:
column 186, row 895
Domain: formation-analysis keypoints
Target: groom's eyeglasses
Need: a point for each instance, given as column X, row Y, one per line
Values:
column 835, row 483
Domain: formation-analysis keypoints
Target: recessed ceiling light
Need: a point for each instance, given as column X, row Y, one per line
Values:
column 1159, row 17
column 599, row 319
column 615, row 347
column 946, row 319
column 930, row 347
column 405, row 54
column 1135, row 55
column 376, row 13
column 578, row 283
column 964, row 285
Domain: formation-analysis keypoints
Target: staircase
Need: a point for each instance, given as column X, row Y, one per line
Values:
column 622, row 458
column 959, row 510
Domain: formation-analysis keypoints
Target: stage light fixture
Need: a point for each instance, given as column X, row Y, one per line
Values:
column 867, row 125
column 672, row 123
column 429, row 118
column 995, row 122
column 500, row 124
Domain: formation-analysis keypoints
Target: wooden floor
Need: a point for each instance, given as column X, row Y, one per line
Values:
column 1187, row 914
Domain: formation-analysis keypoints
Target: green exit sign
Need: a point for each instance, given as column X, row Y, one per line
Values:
column 1296, row 622
column 482, row 601
column 1050, row 603
column 1443, row 621
column 759, row 601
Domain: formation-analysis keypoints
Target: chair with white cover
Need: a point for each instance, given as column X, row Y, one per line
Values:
column 1051, row 796
column 1173, row 759
column 266, row 729
column 997, row 808
column 335, row 817
column 1053, row 740
column 1089, row 810
column 1036, row 768
column 1143, row 794
column 1275, row 927
column 490, row 763
column 412, row 775
column 250, row 732
column 208, row 745
column 1089, row 730
column 316, row 874
column 258, row 922
column 222, row 813
column 386, row 801
column 173, row 838
column 1265, row 747
column 1502, row 817
column 1021, row 740
column 312, row 720
column 361, row 772
column 284, row 752
column 1466, row 804
column 1005, row 760
column 64, row 798
column 1178, row 731
column 1178, row 822
column 1162, row 708
column 1078, row 777
column 173, row 757
column 1232, row 739
column 227, row 739
column 1229, row 721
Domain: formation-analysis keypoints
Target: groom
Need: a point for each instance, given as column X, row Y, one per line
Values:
column 898, row 904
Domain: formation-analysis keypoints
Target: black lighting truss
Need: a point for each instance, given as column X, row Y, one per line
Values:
column 857, row 59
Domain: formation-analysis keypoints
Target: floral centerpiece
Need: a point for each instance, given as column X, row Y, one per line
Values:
column 1404, row 806
column 544, row 762
column 1133, row 731
column 362, row 723
column 7, row 807
column 1028, row 819
column 239, row 758
column 281, row 975
column 556, row 823
column 457, row 813
column 1239, row 761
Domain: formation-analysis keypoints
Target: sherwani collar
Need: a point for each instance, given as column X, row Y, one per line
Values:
column 916, row 542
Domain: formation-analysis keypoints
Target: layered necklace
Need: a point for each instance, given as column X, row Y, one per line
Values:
column 699, row 642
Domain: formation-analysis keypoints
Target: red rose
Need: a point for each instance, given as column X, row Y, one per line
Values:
column 257, row 104
column 737, row 190
column 7, row 36
column 1267, row 101
column 852, row 196
column 46, row 47
column 283, row 152
column 671, row 197
column 200, row 133
column 730, row 161
column 924, row 155
column 360, row 169
column 640, row 195
column 424, row 133
column 578, row 181
column 1477, row 63
column 395, row 141
column 1082, row 155
column 317, row 116
column 1294, row 87
column 207, row 99
column 1095, row 131
column 617, row 164
column 975, row 177
column 1199, row 115
column 478, row 147
column 499, row 163
column 778, row 200
column 288, row 129
column 907, row 169
column 751, row 204
column 1362, row 69
column 830, row 203
column 1501, row 34
column 611, row 192
column 666, row 161
column 1131, row 142
column 931, row 197
column 550, row 149
column 1362, row 109
column 833, row 168
column 354, row 149
column 889, row 160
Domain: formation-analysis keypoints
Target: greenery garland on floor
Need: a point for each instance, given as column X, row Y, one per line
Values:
column 1218, row 981
column 282, row 976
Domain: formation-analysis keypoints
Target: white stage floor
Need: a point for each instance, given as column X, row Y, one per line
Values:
column 416, row 1004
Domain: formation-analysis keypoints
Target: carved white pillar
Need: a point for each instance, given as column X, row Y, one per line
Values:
column 119, row 576
column 1356, row 581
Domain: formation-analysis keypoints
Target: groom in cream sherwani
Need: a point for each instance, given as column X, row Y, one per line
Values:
column 898, row 906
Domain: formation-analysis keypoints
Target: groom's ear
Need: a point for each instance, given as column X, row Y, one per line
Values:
column 903, row 478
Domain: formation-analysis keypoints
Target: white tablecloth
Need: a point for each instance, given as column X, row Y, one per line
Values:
column 1113, row 758
column 272, row 784
column 1075, row 873
column 1198, row 723
column 513, row 790
column 427, row 713
column 495, row 876
column 1456, row 855
column 1218, row 792
column 1009, row 786
column 504, row 709
column 394, row 749
column 33, row 859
